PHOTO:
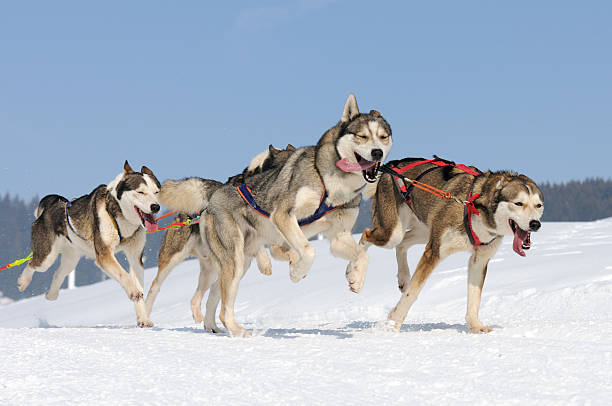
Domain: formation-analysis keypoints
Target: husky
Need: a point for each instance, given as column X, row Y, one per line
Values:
column 113, row 217
column 317, row 190
column 182, row 242
column 496, row 204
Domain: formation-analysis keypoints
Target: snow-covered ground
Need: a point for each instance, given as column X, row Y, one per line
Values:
column 317, row 343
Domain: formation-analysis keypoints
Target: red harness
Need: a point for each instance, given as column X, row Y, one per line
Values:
column 469, row 210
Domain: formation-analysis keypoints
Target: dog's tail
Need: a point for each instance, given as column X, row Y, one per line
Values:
column 190, row 195
column 47, row 202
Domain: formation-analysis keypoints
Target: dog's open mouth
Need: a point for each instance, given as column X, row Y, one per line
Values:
column 369, row 169
column 522, row 238
column 148, row 220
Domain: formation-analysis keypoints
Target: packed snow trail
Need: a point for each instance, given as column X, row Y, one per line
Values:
column 316, row 343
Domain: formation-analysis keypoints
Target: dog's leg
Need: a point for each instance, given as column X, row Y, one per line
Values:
column 166, row 263
column 426, row 265
column 288, row 226
column 228, row 259
column 477, row 271
column 343, row 245
column 44, row 255
column 69, row 261
column 417, row 235
column 214, row 297
column 205, row 280
column 134, row 252
column 229, row 291
column 108, row 263
column 284, row 253
column 263, row 261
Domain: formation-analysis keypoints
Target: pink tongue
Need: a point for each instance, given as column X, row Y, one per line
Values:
column 519, row 238
column 348, row 166
column 151, row 227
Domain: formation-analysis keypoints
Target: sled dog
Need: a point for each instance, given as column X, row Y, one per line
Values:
column 502, row 203
column 113, row 217
column 317, row 190
column 182, row 242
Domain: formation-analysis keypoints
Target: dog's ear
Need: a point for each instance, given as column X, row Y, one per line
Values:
column 146, row 171
column 526, row 179
column 350, row 109
column 375, row 113
column 127, row 168
column 290, row 147
column 273, row 150
column 503, row 181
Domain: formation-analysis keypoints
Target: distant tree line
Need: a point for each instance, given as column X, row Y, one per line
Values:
column 586, row 200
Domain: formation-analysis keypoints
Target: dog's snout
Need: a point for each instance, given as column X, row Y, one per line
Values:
column 534, row 225
column 377, row 154
column 155, row 207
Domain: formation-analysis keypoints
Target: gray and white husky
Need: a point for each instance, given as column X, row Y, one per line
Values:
column 182, row 242
column 113, row 217
column 284, row 206
column 504, row 203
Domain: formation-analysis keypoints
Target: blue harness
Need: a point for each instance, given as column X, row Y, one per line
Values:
column 68, row 204
column 321, row 211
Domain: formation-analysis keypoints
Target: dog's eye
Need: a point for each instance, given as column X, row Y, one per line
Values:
column 362, row 137
column 142, row 193
column 538, row 205
column 518, row 203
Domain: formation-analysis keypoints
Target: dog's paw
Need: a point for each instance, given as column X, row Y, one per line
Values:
column 356, row 272
column 402, row 285
column 197, row 315
column 211, row 327
column 23, row 283
column 135, row 295
column 266, row 270
column 299, row 269
column 480, row 329
column 51, row 295
column 145, row 323
column 240, row 332
column 395, row 320
column 391, row 326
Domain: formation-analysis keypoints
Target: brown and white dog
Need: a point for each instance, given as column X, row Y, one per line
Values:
column 504, row 203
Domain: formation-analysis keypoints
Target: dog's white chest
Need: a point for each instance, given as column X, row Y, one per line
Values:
column 342, row 189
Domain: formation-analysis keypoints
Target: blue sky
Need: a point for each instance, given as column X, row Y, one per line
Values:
column 198, row 88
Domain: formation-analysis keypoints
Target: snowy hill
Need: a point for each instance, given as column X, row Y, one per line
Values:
column 317, row 343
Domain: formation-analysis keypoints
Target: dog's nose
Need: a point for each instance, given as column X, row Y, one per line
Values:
column 377, row 154
column 155, row 208
column 534, row 225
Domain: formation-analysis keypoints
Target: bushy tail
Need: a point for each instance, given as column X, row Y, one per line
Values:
column 48, row 201
column 190, row 195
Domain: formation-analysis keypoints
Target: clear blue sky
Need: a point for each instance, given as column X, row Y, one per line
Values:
column 198, row 88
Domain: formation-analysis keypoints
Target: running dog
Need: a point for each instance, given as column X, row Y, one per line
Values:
column 495, row 204
column 317, row 190
column 182, row 242
column 113, row 217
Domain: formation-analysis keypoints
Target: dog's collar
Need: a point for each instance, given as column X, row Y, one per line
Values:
column 321, row 211
column 68, row 204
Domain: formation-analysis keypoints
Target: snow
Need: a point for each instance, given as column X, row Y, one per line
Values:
column 316, row 343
